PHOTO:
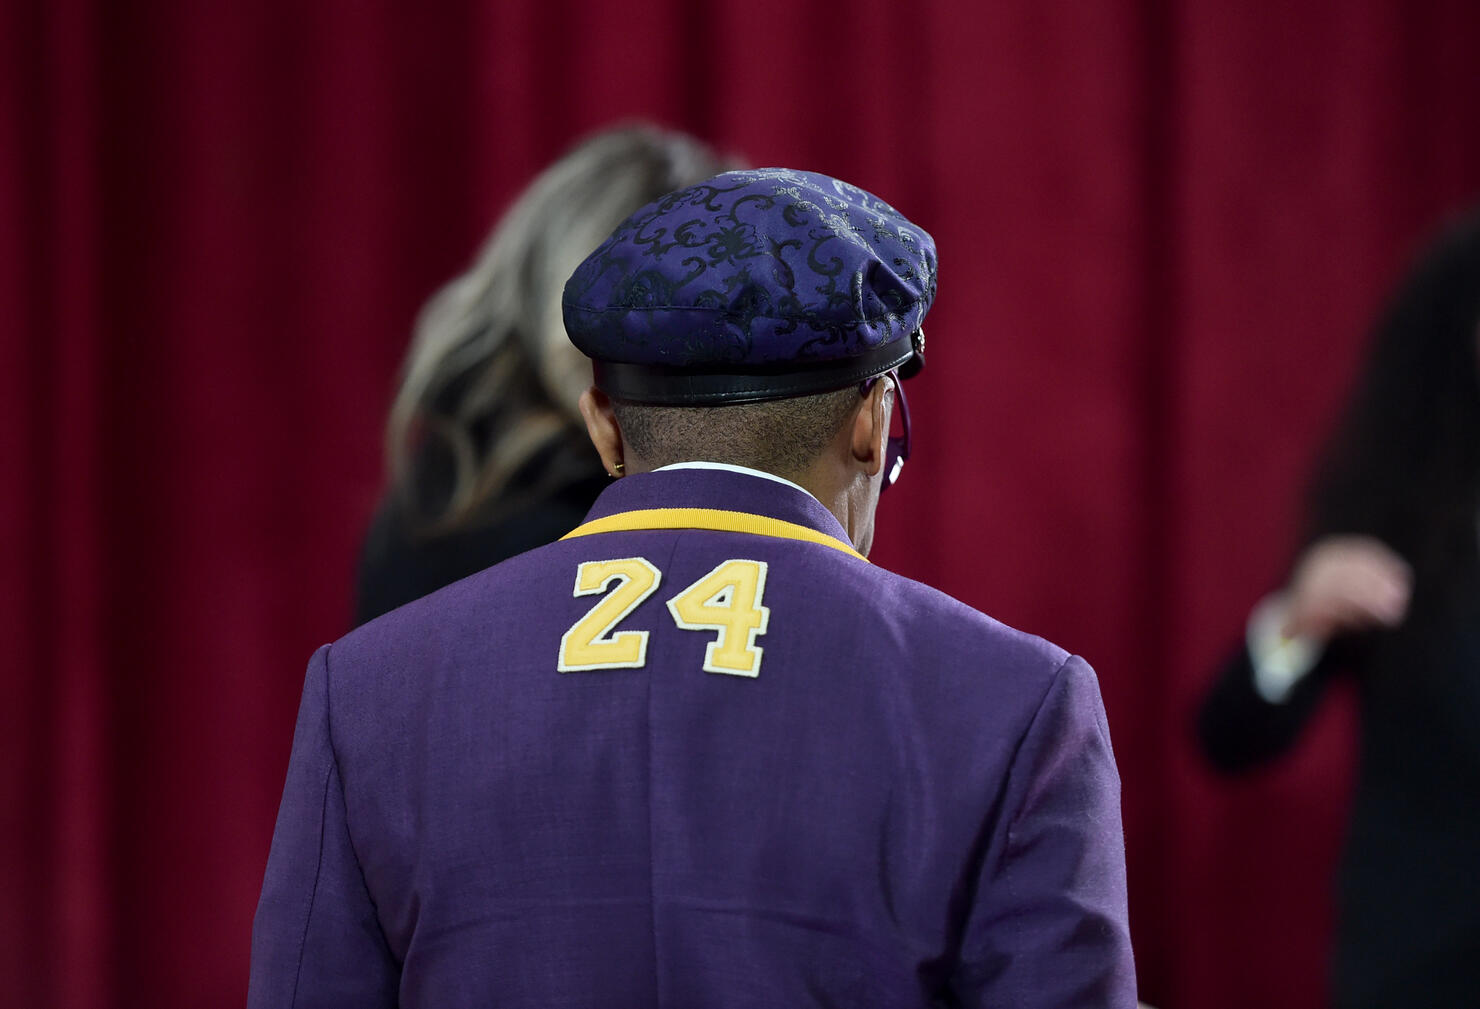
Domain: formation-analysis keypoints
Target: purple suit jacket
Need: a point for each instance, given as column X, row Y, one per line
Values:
column 906, row 804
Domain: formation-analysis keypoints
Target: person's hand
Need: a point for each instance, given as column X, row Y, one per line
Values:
column 1347, row 583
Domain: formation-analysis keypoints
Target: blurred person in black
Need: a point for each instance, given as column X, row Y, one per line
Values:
column 1386, row 590
column 487, row 453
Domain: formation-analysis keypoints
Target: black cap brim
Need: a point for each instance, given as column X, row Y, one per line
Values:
column 666, row 386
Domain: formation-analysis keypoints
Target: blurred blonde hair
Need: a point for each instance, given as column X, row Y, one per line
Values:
column 491, row 376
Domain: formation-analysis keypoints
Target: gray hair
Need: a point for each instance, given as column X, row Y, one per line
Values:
column 491, row 376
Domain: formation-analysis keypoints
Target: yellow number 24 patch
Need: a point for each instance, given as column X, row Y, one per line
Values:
column 727, row 600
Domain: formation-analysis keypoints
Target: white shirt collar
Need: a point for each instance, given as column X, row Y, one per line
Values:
column 745, row 470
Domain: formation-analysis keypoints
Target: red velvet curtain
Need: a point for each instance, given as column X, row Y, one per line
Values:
column 1163, row 226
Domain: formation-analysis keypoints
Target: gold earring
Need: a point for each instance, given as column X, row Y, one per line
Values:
column 618, row 469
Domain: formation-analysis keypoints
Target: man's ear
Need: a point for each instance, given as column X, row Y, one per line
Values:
column 871, row 427
column 601, row 425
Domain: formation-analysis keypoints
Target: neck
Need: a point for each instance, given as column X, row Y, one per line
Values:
column 842, row 493
column 849, row 503
column 736, row 468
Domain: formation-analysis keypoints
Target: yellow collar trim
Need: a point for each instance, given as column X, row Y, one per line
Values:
column 709, row 518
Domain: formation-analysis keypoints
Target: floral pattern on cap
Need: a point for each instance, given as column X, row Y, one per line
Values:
column 753, row 268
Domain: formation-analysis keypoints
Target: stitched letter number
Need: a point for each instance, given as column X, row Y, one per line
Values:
column 727, row 600
column 590, row 644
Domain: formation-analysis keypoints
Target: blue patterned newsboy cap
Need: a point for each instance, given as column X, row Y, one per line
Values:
column 754, row 285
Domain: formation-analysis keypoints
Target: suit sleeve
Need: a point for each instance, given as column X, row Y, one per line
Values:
column 1237, row 729
column 1049, row 928
column 316, row 941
